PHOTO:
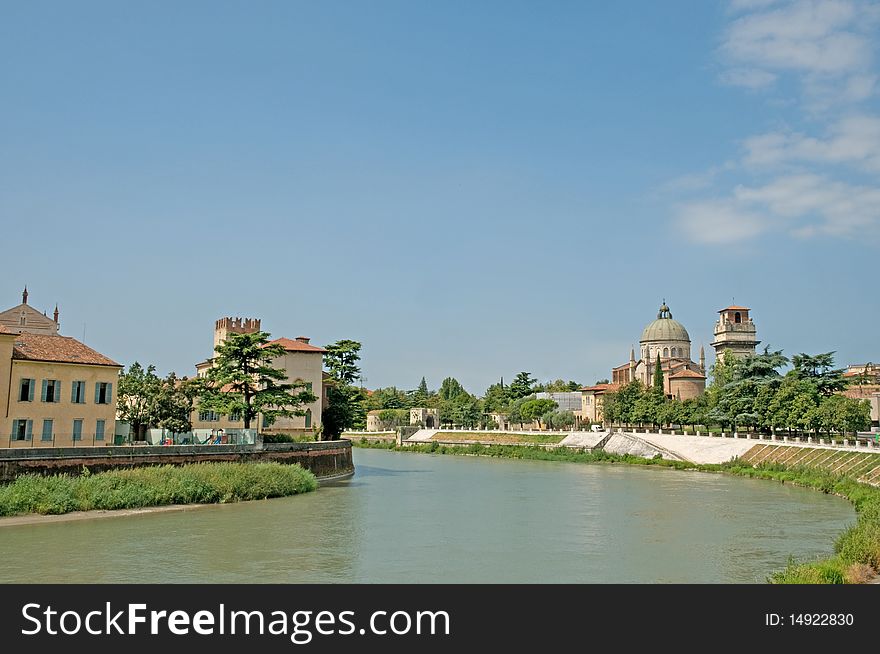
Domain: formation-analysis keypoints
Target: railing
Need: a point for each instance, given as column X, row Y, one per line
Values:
column 209, row 437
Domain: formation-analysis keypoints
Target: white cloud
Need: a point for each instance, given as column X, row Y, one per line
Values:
column 854, row 140
column 719, row 222
column 750, row 78
column 806, row 206
column 826, row 42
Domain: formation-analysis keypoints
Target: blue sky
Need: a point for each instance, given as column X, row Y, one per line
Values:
column 469, row 189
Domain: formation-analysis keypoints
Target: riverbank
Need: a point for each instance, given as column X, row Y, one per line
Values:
column 857, row 550
column 157, row 486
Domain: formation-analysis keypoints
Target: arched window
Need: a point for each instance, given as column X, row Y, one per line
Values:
column 737, row 318
column 308, row 418
column 674, row 352
column 665, row 352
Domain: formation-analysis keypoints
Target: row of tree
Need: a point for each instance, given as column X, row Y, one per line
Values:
column 750, row 393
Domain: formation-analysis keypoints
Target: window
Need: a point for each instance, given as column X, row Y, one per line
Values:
column 308, row 417
column 209, row 416
column 22, row 429
column 78, row 392
column 51, row 390
column 99, row 430
column 103, row 392
column 665, row 352
column 235, row 416
column 26, row 390
column 47, row 431
column 737, row 318
column 309, row 386
column 77, row 429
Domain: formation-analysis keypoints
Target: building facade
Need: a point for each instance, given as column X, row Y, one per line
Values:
column 55, row 391
column 302, row 362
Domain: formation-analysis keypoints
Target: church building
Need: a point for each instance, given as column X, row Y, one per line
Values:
column 667, row 338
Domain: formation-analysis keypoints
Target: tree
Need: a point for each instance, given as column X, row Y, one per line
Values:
column 421, row 394
column 496, row 399
column 137, row 394
column 819, row 370
column 657, row 386
column 345, row 402
column 341, row 360
column 451, row 389
column 174, row 403
column 521, row 385
column 536, row 409
column 559, row 419
column 243, row 381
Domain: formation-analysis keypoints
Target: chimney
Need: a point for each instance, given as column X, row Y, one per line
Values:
column 303, row 339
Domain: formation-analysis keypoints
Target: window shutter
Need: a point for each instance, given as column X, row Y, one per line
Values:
column 30, row 430
column 97, row 392
column 73, row 386
column 110, row 393
column 57, row 395
column 31, row 385
column 45, row 386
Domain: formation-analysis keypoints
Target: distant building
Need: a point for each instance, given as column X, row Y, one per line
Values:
column 302, row 361
column 592, row 399
column 667, row 339
column 735, row 333
column 418, row 417
column 864, row 384
column 54, row 390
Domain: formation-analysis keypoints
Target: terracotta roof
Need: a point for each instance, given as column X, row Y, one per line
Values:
column 734, row 309
column 602, row 388
column 686, row 373
column 58, row 349
column 296, row 346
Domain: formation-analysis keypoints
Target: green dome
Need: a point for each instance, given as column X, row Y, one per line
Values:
column 664, row 328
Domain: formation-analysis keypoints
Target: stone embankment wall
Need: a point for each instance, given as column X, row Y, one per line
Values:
column 324, row 459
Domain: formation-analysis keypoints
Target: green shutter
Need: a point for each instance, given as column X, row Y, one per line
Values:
column 97, row 392
column 57, row 395
column 31, row 385
column 30, row 430
column 110, row 393
column 73, row 386
column 45, row 387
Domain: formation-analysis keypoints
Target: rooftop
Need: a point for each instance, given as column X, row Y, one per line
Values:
column 300, row 344
column 57, row 349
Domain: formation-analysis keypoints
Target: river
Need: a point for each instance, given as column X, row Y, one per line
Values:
column 435, row 518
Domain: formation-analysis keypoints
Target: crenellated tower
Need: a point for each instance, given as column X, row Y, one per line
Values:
column 225, row 326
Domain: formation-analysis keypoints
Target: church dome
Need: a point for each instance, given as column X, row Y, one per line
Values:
column 664, row 328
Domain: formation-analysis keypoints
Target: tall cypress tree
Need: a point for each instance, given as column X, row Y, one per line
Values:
column 658, row 378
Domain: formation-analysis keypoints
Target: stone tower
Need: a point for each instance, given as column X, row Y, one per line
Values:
column 735, row 333
column 226, row 326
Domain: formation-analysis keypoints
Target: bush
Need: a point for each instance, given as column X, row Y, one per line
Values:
column 200, row 483
column 278, row 438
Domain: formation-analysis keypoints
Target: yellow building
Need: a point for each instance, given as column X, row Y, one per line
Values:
column 302, row 361
column 54, row 390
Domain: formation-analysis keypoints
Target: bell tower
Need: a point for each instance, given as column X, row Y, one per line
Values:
column 735, row 333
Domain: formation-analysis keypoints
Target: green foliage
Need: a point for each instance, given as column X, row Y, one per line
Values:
column 451, row 389
column 201, row 483
column 559, row 419
column 341, row 361
column 557, row 386
column 657, row 384
column 138, row 389
column 345, row 403
column 537, row 409
column 243, row 381
column 496, row 399
column 278, row 438
column 522, row 385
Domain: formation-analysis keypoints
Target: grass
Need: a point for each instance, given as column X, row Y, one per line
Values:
column 500, row 438
column 857, row 550
column 200, row 483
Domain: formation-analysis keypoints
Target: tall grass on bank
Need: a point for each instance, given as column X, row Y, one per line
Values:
column 857, row 550
column 199, row 483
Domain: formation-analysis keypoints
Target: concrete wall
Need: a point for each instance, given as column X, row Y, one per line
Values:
column 63, row 412
column 324, row 459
